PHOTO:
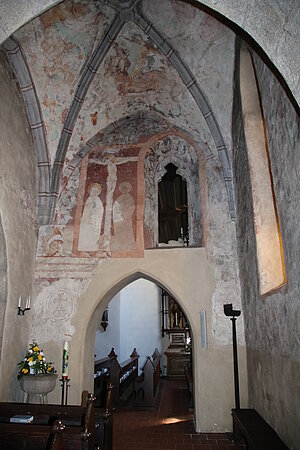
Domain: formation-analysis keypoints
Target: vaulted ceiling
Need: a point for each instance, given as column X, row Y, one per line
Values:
column 273, row 24
column 84, row 67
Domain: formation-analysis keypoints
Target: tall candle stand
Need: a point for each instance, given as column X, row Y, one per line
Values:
column 65, row 380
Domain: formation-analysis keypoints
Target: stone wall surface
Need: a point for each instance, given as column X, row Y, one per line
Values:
column 272, row 321
column 18, row 202
column 3, row 280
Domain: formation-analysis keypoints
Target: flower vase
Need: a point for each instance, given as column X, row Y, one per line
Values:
column 38, row 386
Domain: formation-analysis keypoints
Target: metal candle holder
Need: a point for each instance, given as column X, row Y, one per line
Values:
column 21, row 311
column 64, row 390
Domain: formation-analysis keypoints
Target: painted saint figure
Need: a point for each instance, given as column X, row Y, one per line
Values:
column 123, row 208
column 91, row 220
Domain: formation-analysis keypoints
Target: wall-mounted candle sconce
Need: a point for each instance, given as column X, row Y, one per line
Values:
column 21, row 311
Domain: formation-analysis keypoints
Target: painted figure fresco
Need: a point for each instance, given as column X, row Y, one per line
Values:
column 111, row 184
column 91, row 220
column 123, row 209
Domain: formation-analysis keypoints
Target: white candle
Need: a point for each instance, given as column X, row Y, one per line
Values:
column 65, row 360
column 19, row 305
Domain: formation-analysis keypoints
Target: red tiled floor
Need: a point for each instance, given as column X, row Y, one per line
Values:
column 168, row 426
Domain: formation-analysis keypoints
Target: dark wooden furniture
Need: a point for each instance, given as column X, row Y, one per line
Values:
column 146, row 386
column 127, row 376
column 248, row 425
column 102, row 379
column 53, row 426
column 56, row 427
column 122, row 376
column 189, row 383
column 177, row 360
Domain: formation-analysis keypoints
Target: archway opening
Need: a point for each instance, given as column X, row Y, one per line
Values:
column 145, row 320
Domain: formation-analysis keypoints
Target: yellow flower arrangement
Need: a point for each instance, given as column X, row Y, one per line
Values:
column 34, row 362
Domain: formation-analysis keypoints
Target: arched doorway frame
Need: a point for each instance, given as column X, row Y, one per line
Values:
column 192, row 290
column 136, row 344
column 127, row 280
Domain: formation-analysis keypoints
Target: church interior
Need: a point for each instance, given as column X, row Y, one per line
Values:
column 155, row 144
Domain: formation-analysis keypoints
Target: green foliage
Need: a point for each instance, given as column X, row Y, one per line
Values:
column 35, row 362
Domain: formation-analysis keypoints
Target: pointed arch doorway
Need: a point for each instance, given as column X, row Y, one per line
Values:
column 188, row 276
column 142, row 319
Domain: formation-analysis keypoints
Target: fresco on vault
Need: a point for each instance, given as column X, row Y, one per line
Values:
column 133, row 76
column 63, row 38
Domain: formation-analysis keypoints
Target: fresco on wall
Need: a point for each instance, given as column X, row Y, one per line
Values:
column 96, row 213
column 123, row 209
column 105, row 220
column 54, row 308
column 102, row 201
column 91, row 220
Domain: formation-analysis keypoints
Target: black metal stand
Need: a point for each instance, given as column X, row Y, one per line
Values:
column 235, row 365
column 233, row 314
column 64, row 390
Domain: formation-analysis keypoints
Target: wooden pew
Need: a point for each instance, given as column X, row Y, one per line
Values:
column 122, row 376
column 102, row 379
column 147, row 383
column 128, row 373
column 54, row 427
column 103, row 421
column 31, row 436
column 248, row 425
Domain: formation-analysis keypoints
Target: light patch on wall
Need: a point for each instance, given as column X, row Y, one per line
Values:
column 268, row 239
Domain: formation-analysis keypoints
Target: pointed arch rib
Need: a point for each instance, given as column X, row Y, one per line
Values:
column 36, row 123
column 79, row 96
column 200, row 98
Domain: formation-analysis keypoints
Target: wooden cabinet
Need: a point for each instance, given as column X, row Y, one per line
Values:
column 176, row 362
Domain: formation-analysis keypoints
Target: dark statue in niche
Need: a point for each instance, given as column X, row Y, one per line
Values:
column 176, row 151
column 172, row 207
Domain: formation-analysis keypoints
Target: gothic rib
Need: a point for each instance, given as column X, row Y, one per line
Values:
column 79, row 96
column 36, row 123
column 202, row 102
